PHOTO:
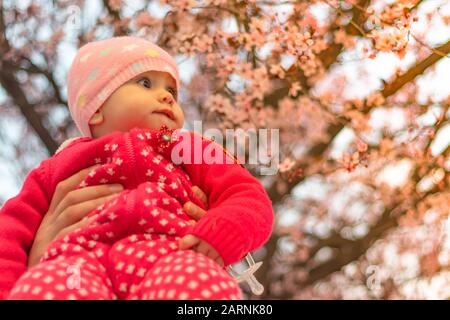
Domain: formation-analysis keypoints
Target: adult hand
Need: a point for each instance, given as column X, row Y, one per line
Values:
column 68, row 209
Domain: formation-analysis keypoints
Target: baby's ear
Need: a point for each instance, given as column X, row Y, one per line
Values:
column 97, row 118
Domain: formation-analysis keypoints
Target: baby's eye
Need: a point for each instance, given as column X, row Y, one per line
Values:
column 173, row 92
column 145, row 82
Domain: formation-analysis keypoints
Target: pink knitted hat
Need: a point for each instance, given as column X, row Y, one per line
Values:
column 100, row 67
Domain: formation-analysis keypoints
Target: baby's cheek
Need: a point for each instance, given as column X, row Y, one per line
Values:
column 180, row 118
column 128, row 118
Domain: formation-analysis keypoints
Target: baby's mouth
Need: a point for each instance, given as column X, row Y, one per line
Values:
column 166, row 112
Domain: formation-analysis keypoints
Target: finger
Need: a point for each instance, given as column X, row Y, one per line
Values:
column 193, row 210
column 188, row 241
column 204, row 248
column 201, row 195
column 75, row 213
column 213, row 254
column 219, row 260
column 73, row 227
column 69, row 184
column 86, row 194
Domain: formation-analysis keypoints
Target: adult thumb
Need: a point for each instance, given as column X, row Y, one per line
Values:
column 188, row 241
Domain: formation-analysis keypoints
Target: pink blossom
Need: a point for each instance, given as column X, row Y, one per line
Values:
column 349, row 162
column 361, row 146
column 203, row 43
column 145, row 19
column 245, row 70
column 340, row 36
column 375, row 99
column 229, row 63
column 218, row 103
column 252, row 39
column 115, row 4
column 243, row 101
column 286, row 165
column 294, row 89
column 277, row 70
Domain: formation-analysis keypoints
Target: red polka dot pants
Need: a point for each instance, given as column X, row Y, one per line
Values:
column 177, row 275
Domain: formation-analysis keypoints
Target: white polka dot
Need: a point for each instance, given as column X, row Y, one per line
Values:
column 83, row 292
column 133, row 288
column 61, row 273
column 171, row 293
column 183, row 296
column 177, row 268
column 180, row 279
column 190, row 269
column 36, row 290
column 60, row 287
column 168, row 279
column 49, row 296
column 48, row 279
column 161, row 293
column 215, row 288
column 213, row 273
column 141, row 272
column 193, row 284
column 203, row 276
column 123, row 287
column 206, row 293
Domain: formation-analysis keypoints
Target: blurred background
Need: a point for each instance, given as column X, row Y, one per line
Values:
column 359, row 89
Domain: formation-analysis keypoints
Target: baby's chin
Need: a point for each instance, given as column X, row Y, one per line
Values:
column 156, row 121
column 158, row 124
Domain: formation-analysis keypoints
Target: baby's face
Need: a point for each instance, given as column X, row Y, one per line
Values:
column 149, row 100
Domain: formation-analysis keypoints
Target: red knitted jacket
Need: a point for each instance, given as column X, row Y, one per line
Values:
column 239, row 219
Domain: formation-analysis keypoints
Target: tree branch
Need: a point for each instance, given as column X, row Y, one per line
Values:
column 122, row 30
column 11, row 86
column 416, row 70
column 9, row 83
column 34, row 69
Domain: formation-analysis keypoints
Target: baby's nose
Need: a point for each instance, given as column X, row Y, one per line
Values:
column 166, row 98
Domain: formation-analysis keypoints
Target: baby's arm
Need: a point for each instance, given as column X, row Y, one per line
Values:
column 240, row 215
column 19, row 220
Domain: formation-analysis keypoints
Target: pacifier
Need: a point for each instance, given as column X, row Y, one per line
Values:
column 248, row 275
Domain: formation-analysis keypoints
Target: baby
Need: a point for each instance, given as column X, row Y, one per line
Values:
column 123, row 98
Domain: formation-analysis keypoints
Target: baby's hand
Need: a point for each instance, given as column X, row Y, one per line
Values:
column 199, row 245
